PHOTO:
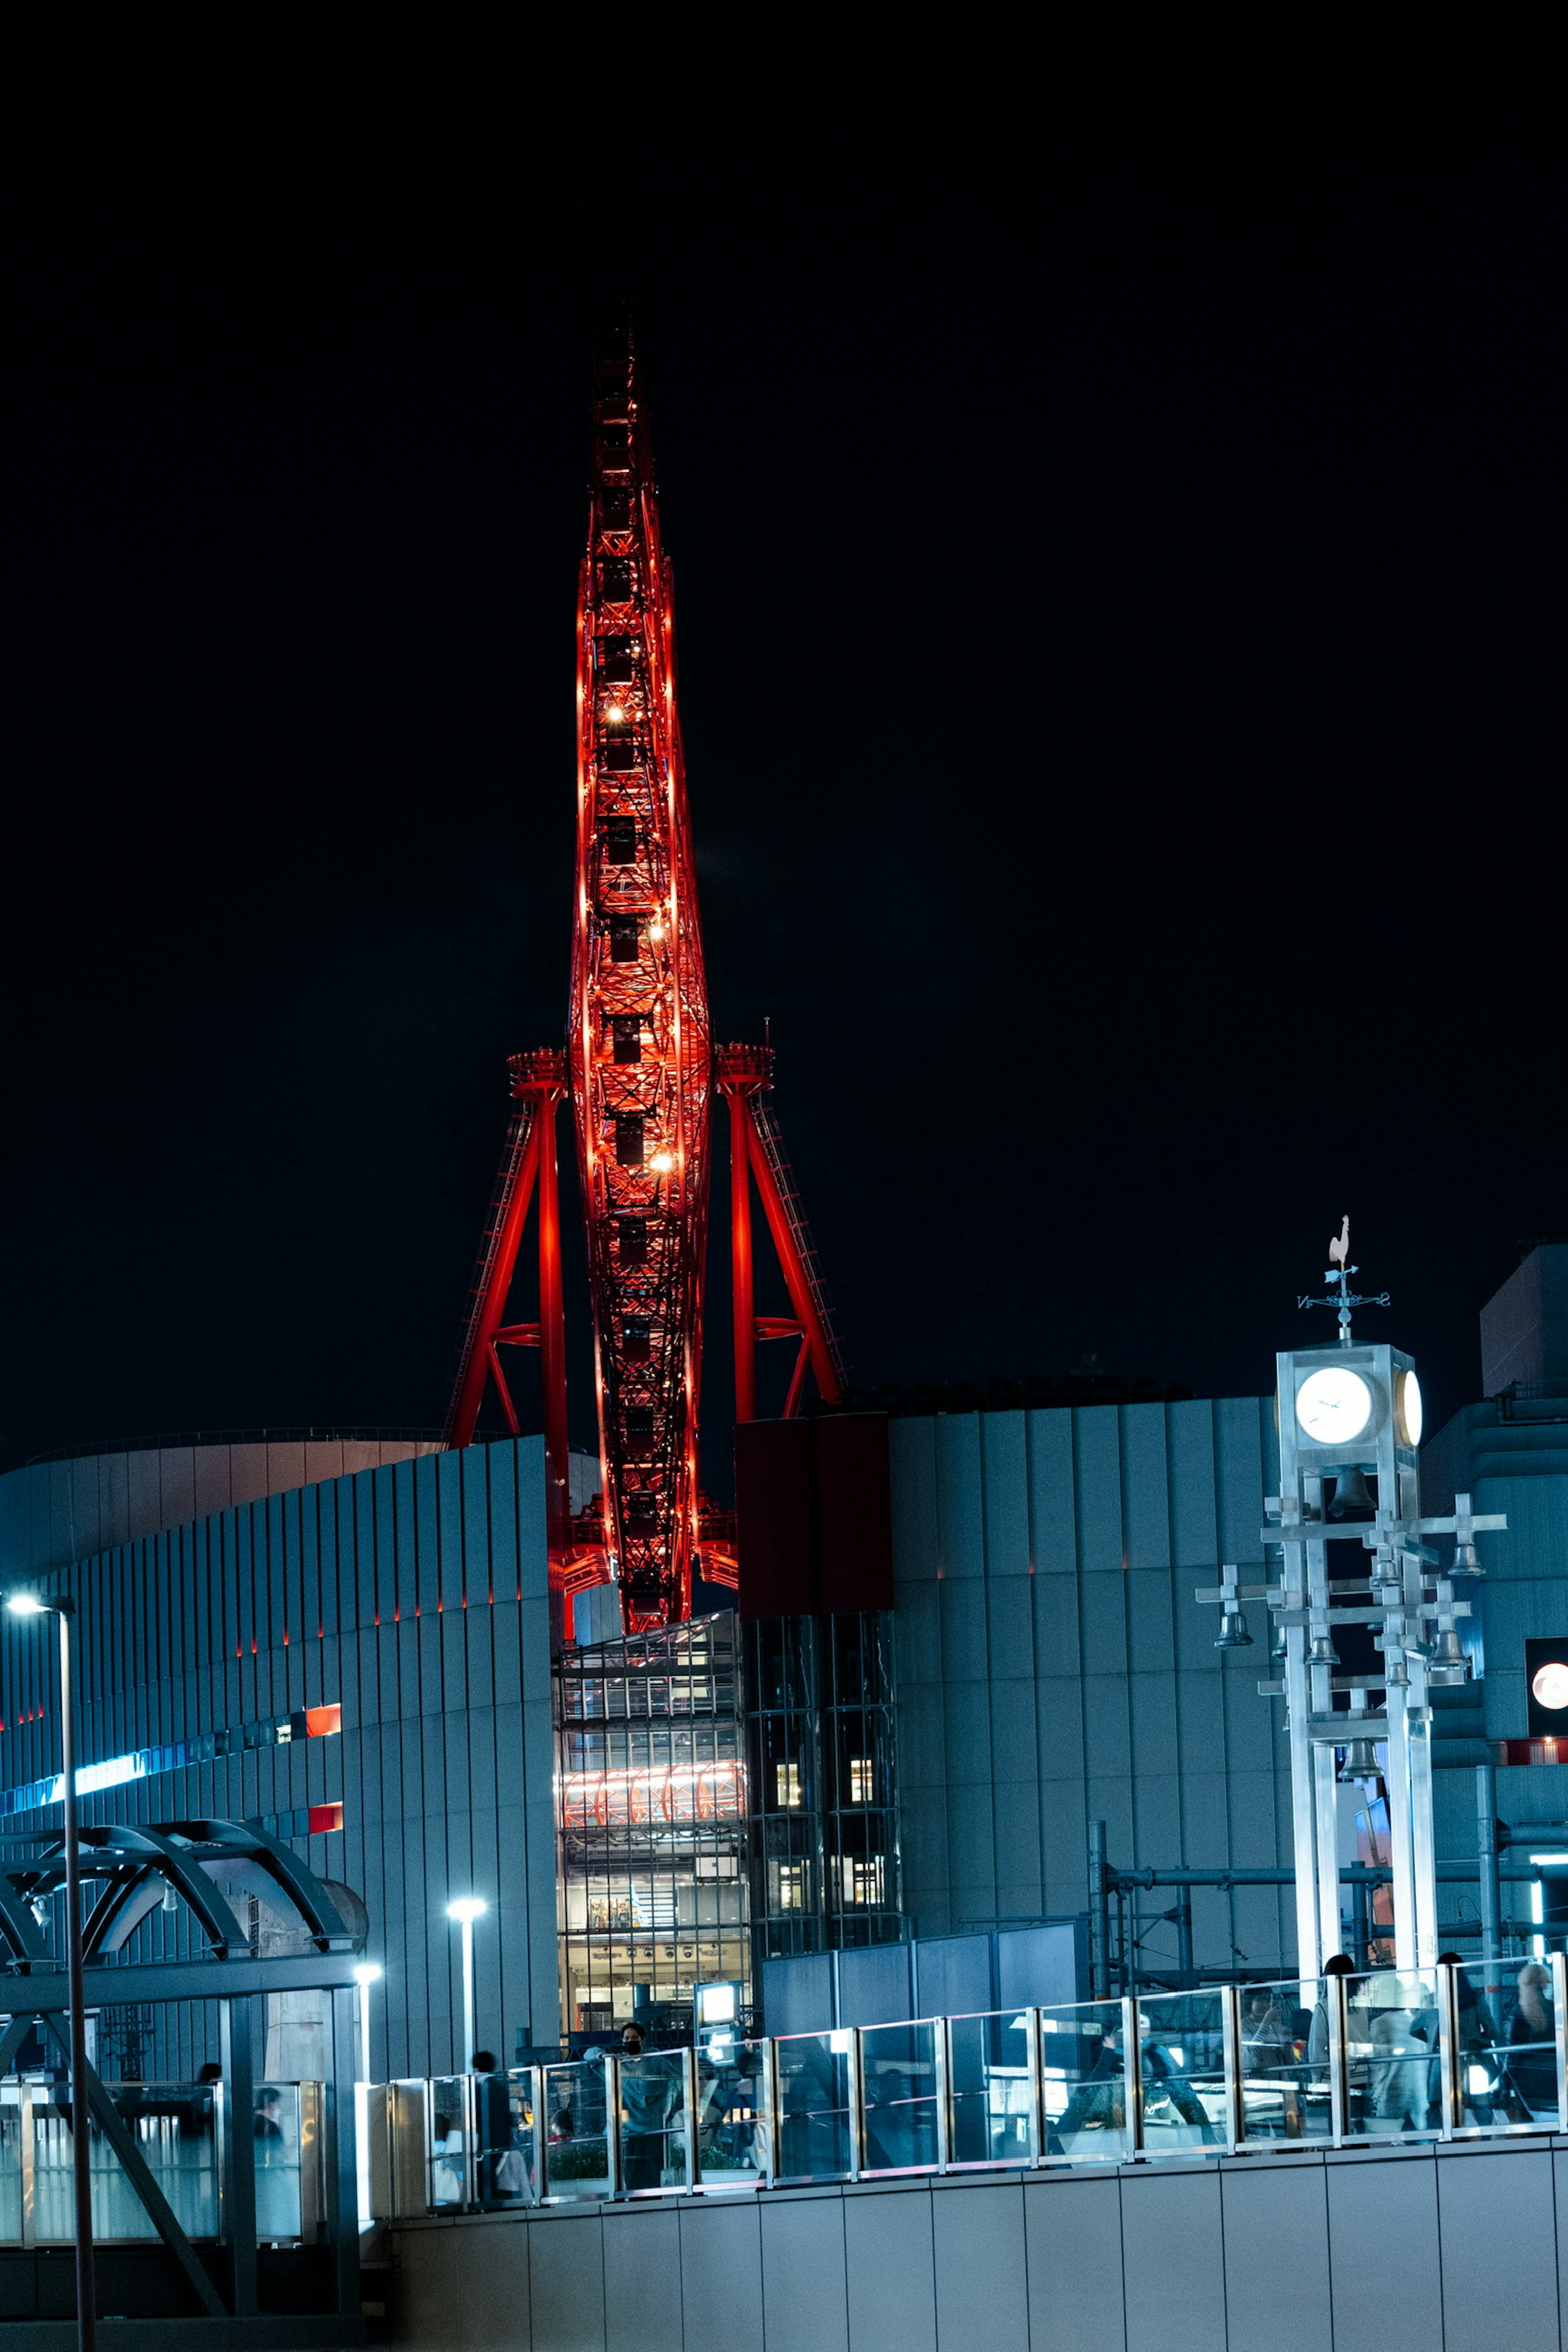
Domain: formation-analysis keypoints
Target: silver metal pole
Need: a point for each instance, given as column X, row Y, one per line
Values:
column 1132, row 2076
column 1486, row 1840
column 1099, row 1915
column 1235, row 2103
column 82, row 2132
column 1559, row 2030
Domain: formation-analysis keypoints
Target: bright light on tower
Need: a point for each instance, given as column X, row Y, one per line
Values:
column 27, row 1604
column 468, row 1908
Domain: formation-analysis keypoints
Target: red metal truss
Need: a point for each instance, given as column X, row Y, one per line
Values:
column 639, row 1047
column 641, row 1071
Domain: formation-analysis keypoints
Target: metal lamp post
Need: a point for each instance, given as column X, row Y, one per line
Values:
column 466, row 1910
column 29, row 1604
column 367, row 1973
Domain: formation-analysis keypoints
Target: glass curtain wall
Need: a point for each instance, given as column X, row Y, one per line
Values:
column 825, row 1869
column 653, row 1803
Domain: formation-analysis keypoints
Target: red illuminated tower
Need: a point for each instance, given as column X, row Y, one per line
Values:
column 641, row 1071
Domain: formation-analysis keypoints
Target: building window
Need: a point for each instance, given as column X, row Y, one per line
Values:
column 862, row 1781
column 788, row 1890
column 863, row 1878
column 789, row 1785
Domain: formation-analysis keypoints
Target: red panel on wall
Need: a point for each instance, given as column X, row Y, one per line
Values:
column 812, row 1504
column 776, row 1507
column 853, row 1524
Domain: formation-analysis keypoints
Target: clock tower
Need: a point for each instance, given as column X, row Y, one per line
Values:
column 1345, row 1546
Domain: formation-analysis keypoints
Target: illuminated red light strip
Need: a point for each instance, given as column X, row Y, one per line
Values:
column 685, row 1792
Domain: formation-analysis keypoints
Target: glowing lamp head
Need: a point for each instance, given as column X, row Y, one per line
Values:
column 368, row 1972
column 615, row 714
column 468, row 1908
column 26, row 1604
column 663, row 1160
column 1549, row 1686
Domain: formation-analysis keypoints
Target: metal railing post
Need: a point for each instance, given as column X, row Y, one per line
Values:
column 29, row 2168
column 1230, row 2042
column 615, row 2170
column 768, row 2112
column 1559, row 2030
column 1038, row 2126
column 540, row 2133
column 1337, row 2009
column 942, row 2035
column 1487, row 1849
column 690, row 2088
column 1132, row 2076
column 1451, row 2088
column 1099, row 1915
column 857, row 2073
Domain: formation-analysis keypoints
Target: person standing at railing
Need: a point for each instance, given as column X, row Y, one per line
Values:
column 493, row 2127
column 645, row 2105
column 1532, row 2044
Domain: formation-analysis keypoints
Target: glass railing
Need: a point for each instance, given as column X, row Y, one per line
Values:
column 177, row 2129
column 1440, row 2052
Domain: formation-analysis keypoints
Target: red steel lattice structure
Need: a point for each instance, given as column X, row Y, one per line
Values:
column 641, row 1071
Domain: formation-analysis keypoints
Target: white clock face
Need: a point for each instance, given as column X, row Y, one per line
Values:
column 1409, row 1391
column 1333, row 1405
column 1550, row 1688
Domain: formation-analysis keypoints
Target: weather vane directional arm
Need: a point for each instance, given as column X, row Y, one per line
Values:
column 1344, row 1297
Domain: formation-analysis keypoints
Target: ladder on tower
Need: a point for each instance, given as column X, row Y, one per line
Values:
column 771, row 1141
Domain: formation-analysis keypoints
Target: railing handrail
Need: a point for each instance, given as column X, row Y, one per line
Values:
column 1351, row 2063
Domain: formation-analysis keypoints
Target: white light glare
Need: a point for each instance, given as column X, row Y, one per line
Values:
column 467, row 1908
column 27, row 1604
column 368, row 1972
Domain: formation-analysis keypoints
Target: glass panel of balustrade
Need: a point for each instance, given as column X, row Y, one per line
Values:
column 1284, row 2058
column 576, row 2151
column 1391, row 2052
column 275, row 2129
column 1507, row 2045
column 1182, row 2061
column 814, row 2122
column 992, row 2103
column 10, row 2164
column 451, row 2142
column 899, row 2072
column 173, row 2125
column 731, row 2149
column 653, row 2122
column 1085, row 2089
column 510, row 2179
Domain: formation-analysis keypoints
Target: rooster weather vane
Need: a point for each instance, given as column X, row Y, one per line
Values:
column 1340, row 1271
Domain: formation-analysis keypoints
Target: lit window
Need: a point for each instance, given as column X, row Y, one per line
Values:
column 789, row 1886
column 862, row 1781
column 789, row 1785
column 863, row 1878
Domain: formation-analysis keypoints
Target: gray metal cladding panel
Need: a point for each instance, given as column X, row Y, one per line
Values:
column 1174, row 2262
column 1151, row 1636
column 953, row 1976
column 1497, row 2227
column 721, row 2277
column 1097, row 1445
column 1102, row 1599
column 566, row 2282
column 1010, row 1628
column 1052, row 1493
column 1277, row 2258
column 963, row 1646
column 873, row 1985
column 1044, row 1967
column 1146, row 1486
column 960, row 1495
column 1006, row 1472
column 887, row 2261
column 911, row 1451
column 797, row 1993
column 641, row 2252
column 981, row 2275
column 804, row 2289
column 1072, row 2232
column 1382, row 2235
column 1194, row 1519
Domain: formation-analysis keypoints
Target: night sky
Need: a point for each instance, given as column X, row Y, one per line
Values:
column 1117, row 571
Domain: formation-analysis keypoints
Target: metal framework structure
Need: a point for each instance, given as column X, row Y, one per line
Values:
column 641, row 1071
column 194, row 1867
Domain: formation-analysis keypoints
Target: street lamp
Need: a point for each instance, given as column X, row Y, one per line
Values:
column 29, row 1604
column 367, row 1973
column 466, row 1910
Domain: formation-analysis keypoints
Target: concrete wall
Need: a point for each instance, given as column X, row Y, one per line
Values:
column 1453, row 2250
column 414, row 1596
column 1053, row 1668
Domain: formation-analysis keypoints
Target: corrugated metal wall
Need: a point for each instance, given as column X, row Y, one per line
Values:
column 415, row 1597
column 1053, row 1668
